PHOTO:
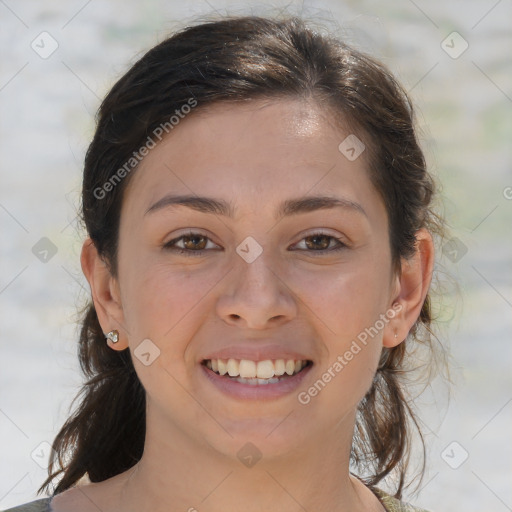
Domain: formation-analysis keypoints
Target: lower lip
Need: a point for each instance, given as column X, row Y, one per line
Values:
column 259, row 391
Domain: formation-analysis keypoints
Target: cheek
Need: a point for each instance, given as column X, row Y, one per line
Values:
column 165, row 304
column 156, row 294
column 162, row 306
column 345, row 299
column 347, row 304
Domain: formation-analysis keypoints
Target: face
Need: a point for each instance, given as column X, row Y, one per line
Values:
column 263, row 276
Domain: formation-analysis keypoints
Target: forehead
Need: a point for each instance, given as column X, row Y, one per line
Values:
column 247, row 152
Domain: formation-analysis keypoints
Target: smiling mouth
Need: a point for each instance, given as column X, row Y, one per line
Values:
column 256, row 373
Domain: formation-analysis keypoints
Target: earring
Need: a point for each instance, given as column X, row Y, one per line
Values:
column 396, row 335
column 113, row 336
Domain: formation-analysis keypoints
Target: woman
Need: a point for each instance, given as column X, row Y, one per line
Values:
column 260, row 251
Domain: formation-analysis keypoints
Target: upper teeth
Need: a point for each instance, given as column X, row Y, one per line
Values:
column 255, row 369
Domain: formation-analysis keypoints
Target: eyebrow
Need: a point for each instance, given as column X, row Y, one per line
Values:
column 287, row 208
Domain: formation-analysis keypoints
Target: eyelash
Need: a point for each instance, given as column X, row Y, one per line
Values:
column 199, row 252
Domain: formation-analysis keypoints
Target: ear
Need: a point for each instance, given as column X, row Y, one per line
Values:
column 412, row 285
column 105, row 293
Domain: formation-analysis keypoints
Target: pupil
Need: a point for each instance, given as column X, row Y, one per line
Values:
column 315, row 239
column 194, row 240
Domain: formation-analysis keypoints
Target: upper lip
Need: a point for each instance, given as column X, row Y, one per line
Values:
column 259, row 353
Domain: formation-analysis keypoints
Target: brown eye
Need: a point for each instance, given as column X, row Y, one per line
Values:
column 190, row 244
column 321, row 243
column 194, row 242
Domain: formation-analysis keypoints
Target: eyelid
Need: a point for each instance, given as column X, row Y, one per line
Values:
column 340, row 240
column 190, row 232
column 325, row 232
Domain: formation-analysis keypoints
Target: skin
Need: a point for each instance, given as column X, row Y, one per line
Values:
column 255, row 156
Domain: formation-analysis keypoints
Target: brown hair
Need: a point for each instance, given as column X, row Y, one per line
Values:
column 229, row 60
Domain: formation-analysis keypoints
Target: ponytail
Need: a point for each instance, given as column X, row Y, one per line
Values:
column 105, row 435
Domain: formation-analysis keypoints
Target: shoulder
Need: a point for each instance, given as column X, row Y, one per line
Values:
column 391, row 504
column 42, row 505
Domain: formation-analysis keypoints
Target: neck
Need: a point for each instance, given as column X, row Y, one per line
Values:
column 179, row 472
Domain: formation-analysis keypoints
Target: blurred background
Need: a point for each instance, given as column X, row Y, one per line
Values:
column 60, row 58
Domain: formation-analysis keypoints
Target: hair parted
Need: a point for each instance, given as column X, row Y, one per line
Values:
column 233, row 59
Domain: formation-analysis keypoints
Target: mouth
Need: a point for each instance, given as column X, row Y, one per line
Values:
column 257, row 373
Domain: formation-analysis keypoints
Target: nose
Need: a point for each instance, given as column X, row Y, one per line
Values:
column 256, row 296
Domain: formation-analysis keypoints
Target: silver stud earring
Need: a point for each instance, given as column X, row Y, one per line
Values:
column 113, row 336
